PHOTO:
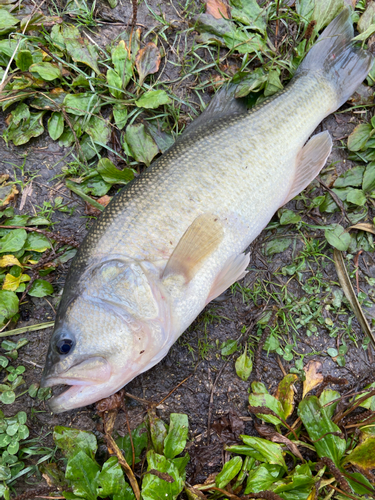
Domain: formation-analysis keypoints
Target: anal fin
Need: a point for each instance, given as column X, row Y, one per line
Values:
column 200, row 240
column 310, row 161
column 234, row 269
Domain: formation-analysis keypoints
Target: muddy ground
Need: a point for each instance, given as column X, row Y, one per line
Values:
column 228, row 394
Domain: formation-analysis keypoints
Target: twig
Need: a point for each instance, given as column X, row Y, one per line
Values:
column 172, row 391
column 336, row 199
column 129, row 432
column 212, row 399
column 113, row 448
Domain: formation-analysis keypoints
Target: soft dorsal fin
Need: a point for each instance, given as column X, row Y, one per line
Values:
column 200, row 240
column 222, row 104
column 234, row 269
column 310, row 161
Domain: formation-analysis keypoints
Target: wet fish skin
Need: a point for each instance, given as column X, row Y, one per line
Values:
column 174, row 238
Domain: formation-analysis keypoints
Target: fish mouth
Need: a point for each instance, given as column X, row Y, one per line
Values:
column 79, row 385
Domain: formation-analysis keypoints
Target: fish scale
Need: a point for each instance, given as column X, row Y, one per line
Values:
column 173, row 239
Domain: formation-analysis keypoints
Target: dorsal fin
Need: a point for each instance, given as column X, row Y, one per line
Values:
column 200, row 240
column 222, row 104
column 310, row 161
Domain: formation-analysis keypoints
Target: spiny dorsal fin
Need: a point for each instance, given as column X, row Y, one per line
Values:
column 310, row 161
column 200, row 240
column 234, row 269
column 222, row 104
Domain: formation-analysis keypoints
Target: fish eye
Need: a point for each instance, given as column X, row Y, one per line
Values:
column 64, row 346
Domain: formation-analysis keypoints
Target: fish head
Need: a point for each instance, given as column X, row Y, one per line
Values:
column 115, row 328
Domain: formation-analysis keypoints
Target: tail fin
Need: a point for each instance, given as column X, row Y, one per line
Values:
column 341, row 61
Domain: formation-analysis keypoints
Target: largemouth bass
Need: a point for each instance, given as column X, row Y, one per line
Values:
column 174, row 238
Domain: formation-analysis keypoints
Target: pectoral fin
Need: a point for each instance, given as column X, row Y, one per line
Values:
column 200, row 240
column 234, row 269
column 310, row 161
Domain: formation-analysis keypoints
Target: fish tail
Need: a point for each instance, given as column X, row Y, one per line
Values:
column 338, row 57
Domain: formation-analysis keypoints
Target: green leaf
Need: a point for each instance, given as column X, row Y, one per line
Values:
column 140, row 441
column 332, row 352
column 56, row 125
column 271, row 402
column 67, row 37
column 13, row 241
column 357, row 197
column 7, row 21
column 326, row 397
column 273, row 83
column 153, row 99
column 111, row 481
column 120, row 114
column 229, row 472
column 175, row 441
column 363, row 455
column 244, row 365
column 8, row 304
column 71, row 441
column 317, row 424
column 5, row 474
column 89, row 148
column 24, row 59
column 277, row 245
column 368, row 403
column 37, row 242
column 272, row 452
column 23, row 128
column 95, row 185
column 82, row 104
column 155, row 488
column 123, row 65
column 228, row 347
column 83, row 472
column 114, row 83
column 358, row 138
column 7, row 397
column 158, row 431
column 242, row 449
column 337, row 237
column 141, row 143
column 288, row 217
column 13, row 447
column 40, row 288
column 368, row 184
column 249, row 13
column 263, row 477
column 98, row 129
column 352, row 177
column 112, row 175
column 252, row 82
column 23, row 432
column 361, row 489
column 164, row 140
column 46, row 70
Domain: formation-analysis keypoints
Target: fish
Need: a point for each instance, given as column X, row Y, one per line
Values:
column 175, row 237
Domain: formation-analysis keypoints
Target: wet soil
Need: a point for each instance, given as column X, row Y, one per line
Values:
column 204, row 392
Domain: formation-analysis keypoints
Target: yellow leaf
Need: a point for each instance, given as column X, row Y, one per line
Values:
column 314, row 376
column 11, row 283
column 9, row 260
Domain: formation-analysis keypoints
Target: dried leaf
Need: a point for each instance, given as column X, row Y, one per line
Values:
column 314, row 376
column 217, row 8
column 363, row 226
column 147, row 61
column 269, row 432
column 7, row 194
column 350, row 294
column 363, row 455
